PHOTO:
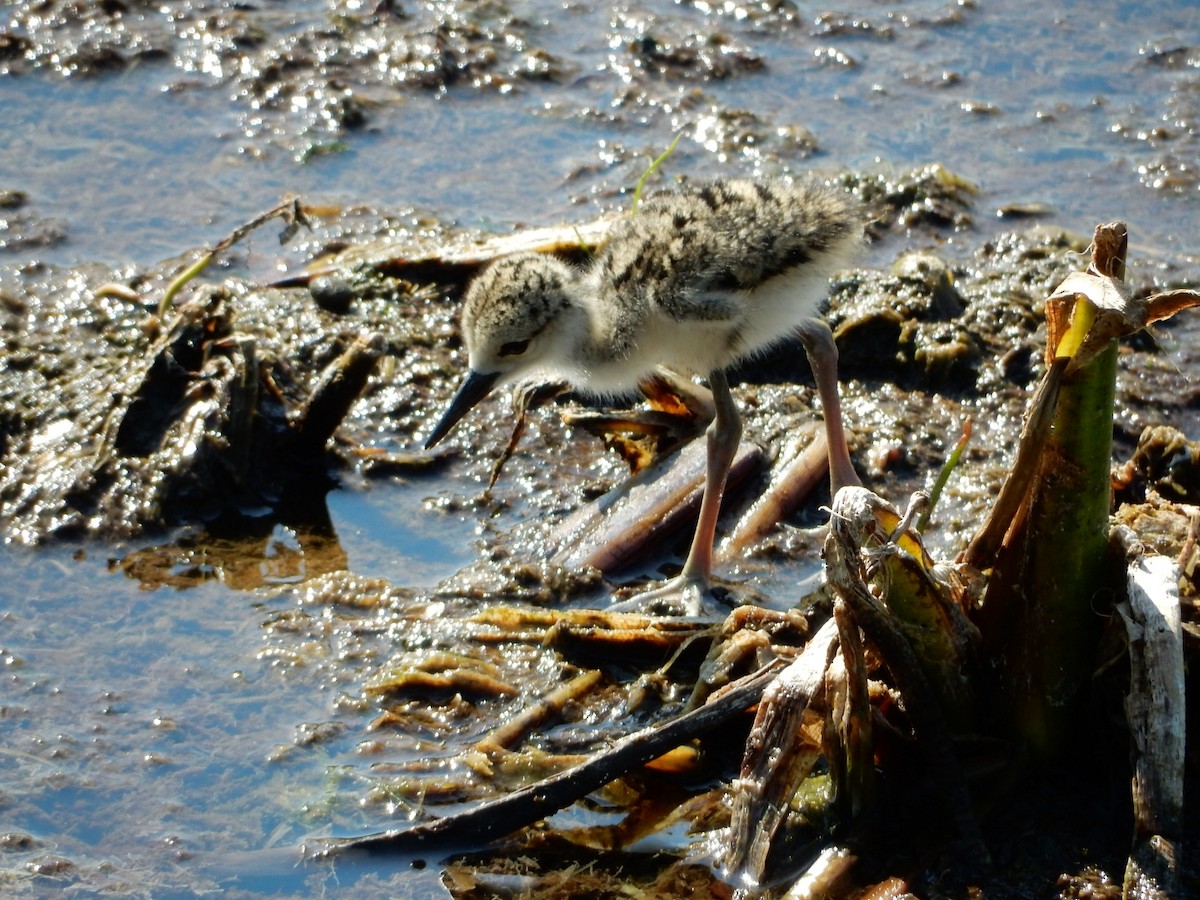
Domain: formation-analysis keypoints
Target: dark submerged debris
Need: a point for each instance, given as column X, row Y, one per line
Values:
column 533, row 802
column 657, row 52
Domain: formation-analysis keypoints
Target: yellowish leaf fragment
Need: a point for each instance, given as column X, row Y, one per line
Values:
column 1082, row 318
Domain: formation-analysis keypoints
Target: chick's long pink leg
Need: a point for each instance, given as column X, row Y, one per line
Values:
column 724, row 434
column 823, row 357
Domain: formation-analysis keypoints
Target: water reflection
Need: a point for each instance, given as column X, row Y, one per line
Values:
column 258, row 553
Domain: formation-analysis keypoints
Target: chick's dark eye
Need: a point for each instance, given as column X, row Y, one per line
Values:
column 514, row 348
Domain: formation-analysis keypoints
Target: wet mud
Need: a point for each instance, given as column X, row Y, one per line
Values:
column 185, row 428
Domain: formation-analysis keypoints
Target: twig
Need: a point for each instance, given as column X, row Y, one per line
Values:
column 289, row 209
column 335, row 392
column 552, row 704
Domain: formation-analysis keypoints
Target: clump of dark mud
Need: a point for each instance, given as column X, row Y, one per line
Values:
column 20, row 226
column 113, row 421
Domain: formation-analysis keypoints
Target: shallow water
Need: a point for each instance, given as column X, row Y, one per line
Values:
column 156, row 742
column 1074, row 106
column 98, row 163
column 152, row 738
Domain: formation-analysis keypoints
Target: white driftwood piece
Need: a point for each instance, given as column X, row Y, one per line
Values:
column 1157, row 722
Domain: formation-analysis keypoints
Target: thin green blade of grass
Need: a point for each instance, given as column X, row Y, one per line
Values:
column 658, row 161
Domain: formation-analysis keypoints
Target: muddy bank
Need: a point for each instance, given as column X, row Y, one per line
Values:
column 171, row 444
column 122, row 421
column 118, row 419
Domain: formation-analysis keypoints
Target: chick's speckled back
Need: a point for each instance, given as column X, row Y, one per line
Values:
column 697, row 253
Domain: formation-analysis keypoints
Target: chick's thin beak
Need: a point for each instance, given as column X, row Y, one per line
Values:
column 474, row 388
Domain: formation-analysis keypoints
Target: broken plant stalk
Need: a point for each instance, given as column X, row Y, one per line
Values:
column 1040, row 621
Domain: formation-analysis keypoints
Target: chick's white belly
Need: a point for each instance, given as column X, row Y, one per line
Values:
column 775, row 309
column 763, row 317
column 698, row 348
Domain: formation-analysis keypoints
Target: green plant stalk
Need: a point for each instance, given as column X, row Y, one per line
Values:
column 1058, row 569
column 939, row 485
column 1048, row 554
column 939, row 633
